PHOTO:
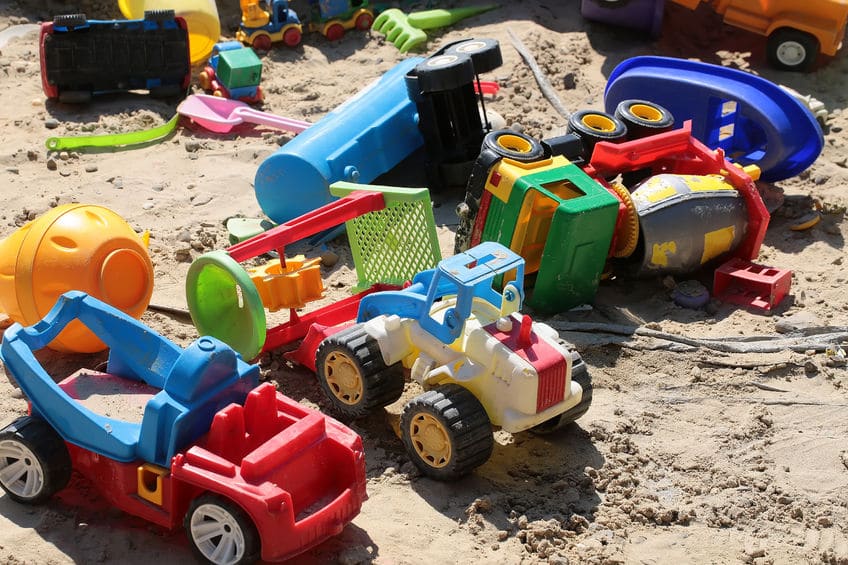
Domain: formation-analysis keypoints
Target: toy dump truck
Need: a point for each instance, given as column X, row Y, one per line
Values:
column 797, row 31
column 248, row 472
column 481, row 362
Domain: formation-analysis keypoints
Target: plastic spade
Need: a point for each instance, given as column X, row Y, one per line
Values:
column 222, row 114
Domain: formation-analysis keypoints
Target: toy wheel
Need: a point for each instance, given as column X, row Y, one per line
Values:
column 580, row 375
column 75, row 97
column 444, row 72
column 364, row 21
column 514, row 145
column 70, row 20
column 159, row 15
column 34, row 461
column 334, row 31
column 352, row 373
column 446, row 432
column 292, row 37
column 792, row 50
column 260, row 94
column 484, row 53
column 262, row 43
column 221, row 532
column 219, row 94
column 205, row 78
column 592, row 126
column 643, row 118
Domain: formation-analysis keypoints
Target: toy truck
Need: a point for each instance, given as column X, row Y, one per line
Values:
column 248, row 472
column 797, row 31
column 481, row 362
column 265, row 23
column 234, row 71
column 331, row 18
column 81, row 57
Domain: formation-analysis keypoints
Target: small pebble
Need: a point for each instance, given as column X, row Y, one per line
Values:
column 158, row 187
column 147, row 205
column 32, row 155
column 65, row 173
column 192, row 145
column 51, row 123
column 51, row 164
column 91, row 168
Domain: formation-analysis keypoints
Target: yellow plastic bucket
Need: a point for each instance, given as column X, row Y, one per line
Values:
column 74, row 247
column 201, row 16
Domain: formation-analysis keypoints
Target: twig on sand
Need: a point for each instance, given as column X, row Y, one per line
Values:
column 544, row 84
column 767, row 387
column 820, row 340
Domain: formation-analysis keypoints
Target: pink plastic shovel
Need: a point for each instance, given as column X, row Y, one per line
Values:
column 222, row 114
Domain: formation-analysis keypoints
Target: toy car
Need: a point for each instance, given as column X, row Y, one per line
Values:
column 234, row 71
column 333, row 17
column 246, row 471
column 81, row 57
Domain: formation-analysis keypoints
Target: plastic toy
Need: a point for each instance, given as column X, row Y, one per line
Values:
column 406, row 32
column 221, row 114
column 382, row 125
column 742, row 282
column 158, row 62
column 74, row 247
column 332, row 17
column 481, row 362
column 265, row 23
column 641, row 15
column 752, row 119
column 159, row 133
column 234, row 71
column 392, row 236
column 682, row 205
column 201, row 17
column 246, row 471
column 797, row 31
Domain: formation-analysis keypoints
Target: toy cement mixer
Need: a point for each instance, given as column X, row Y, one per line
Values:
column 74, row 247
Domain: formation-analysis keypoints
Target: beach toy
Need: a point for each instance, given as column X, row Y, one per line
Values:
column 201, row 16
column 74, row 247
column 394, row 24
column 642, row 15
column 221, row 114
column 158, row 133
column 753, row 120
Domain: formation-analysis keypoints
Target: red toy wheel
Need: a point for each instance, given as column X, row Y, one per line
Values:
column 260, row 96
column 262, row 43
column 334, row 31
column 364, row 21
column 292, row 37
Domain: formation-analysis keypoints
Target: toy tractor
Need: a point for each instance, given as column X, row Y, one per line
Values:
column 481, row 362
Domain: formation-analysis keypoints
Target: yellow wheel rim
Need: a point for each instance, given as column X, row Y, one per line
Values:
column 628, row 232
column 344, row 378
column 430, row 439
column 598, row 122
column 514, row 143
column 646, row 112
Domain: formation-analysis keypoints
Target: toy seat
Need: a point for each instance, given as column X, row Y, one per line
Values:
column 204, row 379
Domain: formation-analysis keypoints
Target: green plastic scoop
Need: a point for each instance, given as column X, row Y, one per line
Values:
column 430, row 19
column 113, row 140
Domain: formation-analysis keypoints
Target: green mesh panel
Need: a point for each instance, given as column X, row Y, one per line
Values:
column 393, row 244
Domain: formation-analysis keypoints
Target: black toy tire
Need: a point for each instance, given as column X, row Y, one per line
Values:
column 807, row 46
column 233, row 520
column 592, row 126
column 643, row 118
column 352, row 373
column 159, row 15
column 444, row 72
column 70, row 20
column 485, row 53
column 32, row 443
column 580, row 375
column 455, row 414
column 514, row 145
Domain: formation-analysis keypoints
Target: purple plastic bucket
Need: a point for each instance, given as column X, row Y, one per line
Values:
column 642, row 15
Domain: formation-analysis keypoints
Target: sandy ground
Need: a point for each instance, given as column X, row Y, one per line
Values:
column 688, row 455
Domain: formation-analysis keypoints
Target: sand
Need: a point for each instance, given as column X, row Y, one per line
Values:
column 688, row 454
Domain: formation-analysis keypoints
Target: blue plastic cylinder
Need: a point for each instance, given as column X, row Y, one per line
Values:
column 366, row 136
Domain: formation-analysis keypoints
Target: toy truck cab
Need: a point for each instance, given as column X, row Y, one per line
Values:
column 197, row 443
column 481, row 361
column 796, row 31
